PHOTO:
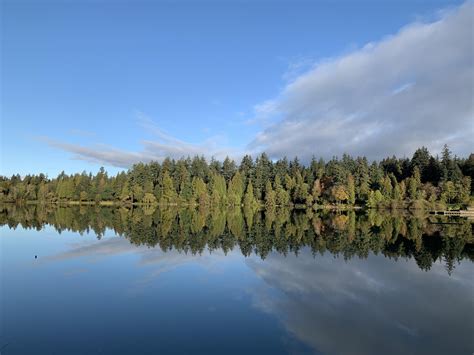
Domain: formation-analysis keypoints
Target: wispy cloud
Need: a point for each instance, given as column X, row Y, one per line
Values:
column 297, row 66
column 164, row 145
column 263, row 113
column 389, row 97
column 156, row 261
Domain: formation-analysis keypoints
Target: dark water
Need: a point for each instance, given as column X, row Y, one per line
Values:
column 116, row 281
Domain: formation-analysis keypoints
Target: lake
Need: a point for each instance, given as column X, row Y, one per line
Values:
column 105, row 280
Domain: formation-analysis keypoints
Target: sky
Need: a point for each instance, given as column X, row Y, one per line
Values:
column 106, row 83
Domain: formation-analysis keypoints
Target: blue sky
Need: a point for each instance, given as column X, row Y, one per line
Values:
column 94, row 83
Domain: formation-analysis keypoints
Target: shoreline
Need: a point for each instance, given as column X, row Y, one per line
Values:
column 469, row 212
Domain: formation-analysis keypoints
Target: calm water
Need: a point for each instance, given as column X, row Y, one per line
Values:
column 115, row 281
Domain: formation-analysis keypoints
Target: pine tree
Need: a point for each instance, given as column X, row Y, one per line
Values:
column 263, row 172
column 300, row 191
column 374, row 199
column 421, row 160
column 218, row 190
column 270, row 196
column 186, row 190
column 236, row 189
column 200, row 194
column 350, row 190
column 247, row 169
column 249, row 198
column 168, row 192
column 316, row 191
column 126, row 193
column 281, row 195
column 386, row 188
column 414, row 184
column 448, row 192
column 397, row 193
column 228, row 169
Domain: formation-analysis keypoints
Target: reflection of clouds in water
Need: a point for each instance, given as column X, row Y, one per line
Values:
column 334, row 306
column 96, row 249
column 163, row 262
column 119, row 246
column 158, row 260
column 368, row 306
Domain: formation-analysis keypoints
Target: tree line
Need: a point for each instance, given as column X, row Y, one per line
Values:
column 189, row 230
column 424, row 181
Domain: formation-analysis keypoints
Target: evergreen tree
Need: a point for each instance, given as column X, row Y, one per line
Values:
column 300, row 191
column 421, row 160
column 168, row 192
column 316, row 191
column 386, row 188
column 200, row 194
column 281, row 195
column 236, row 189
column 414, row 184
column 270, row 196
column 448, row 192
column 249, row 198
column 126, row 193
column 350, row 190
column 218, row 190
column 247, row 169
column 263, row 173
column 351, row 181
column 228, row 169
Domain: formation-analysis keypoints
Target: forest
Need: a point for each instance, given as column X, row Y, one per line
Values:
column 422, row 182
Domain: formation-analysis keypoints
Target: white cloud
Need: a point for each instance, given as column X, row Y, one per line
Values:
column 164, row 145
column 263, row 112
column 390, row 97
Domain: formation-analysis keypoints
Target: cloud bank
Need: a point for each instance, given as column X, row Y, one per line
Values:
column 390, row 97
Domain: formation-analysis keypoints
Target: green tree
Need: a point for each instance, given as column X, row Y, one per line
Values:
column 168, row 192
column 270, row 196
column 316, row 190
column 300, row 191
column 375, row 198
column 249, row 198
column 236, row 189
column 218, row 190
column 339, row 193
column 350, row 190
column 414, row 184
column 281, row 195
column 421, row 160
column 200, row 194
column 149, row 199
column 229, row 168
column 386, row 188
column 126, row 193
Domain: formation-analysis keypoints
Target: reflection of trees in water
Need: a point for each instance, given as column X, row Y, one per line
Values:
column 427, row 239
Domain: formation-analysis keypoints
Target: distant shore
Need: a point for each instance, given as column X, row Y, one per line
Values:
column 424, row 183
column 469, row 212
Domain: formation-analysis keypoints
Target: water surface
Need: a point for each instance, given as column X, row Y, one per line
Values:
column 119, row 281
